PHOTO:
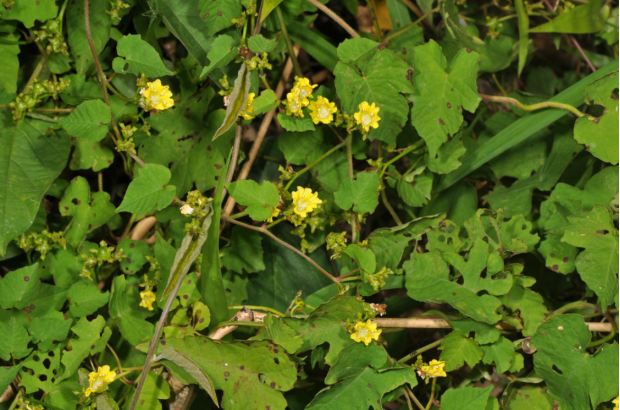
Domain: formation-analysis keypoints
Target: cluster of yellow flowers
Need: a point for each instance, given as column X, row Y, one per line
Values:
column 299, row 97
column 98, row 381
column 156, row 96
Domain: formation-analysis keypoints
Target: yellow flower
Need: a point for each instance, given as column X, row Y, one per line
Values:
column 305, row 201
column 367, row 116
column 274, row 212
column 616, row 401
column 322, row 110
column 293, row 104
column 156, row 96
column 248, row 109
column 434, row 369
column 304, row 90
column 98, row 381
column 365, row 332
column 148, row 297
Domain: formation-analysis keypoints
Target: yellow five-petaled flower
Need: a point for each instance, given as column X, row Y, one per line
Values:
column 248, row 109
column 98, row 381
column 322, row 110
column 367, row 116
column 299, row 97
column 156, row 96
column 365, row 332
column 148, row 297
column 433, row 369
column 305, row 201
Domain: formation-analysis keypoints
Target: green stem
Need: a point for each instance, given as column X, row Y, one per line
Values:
column 414, row 398
column 289, row 43
column 408, row 27
column 238, row 215
column 309, row 167
column 576, row 305
column 268, row 309
column 391, row 210
column 399, row 156
column 430, row 401
column 353, row 221
column 118, row 94
column 534, row 107
column 420, row 351
column 240, row 323
column 14, row 403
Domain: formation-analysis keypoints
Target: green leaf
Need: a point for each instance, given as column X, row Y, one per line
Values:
column 388, row 247
column 321, row 327
column 427, row 279
column 139, row 57
column 100, row 28
column 218, row 14
column 222, row 52
column 415, row 189
column 125, row 308
column 29, row 164
column 85, row 298
column 45, row 331
column 365, row 258
column 89, row 211
column 459, row 203
column 10, row 66
column 381, row 78
column 39, row 371
column 88, row 121
column 244, row 252
column 80, row 90
column 442, row 93
column 268, row 7
column 598, row 134
column 155, row 388
column 19, row 287
column 297, row 146
column 181, row 19
column 522, row 396
column 528, row 303
column 259, row 44
column 573, row 376
column 184, row 144
column 355, row 358
column 296, row 124
column 280, row 333
column 261, row 368
column 484, row 333
column 352, row 49
column 50, row 299
column 447, row 159
column 332, row 171
column 524, row 25
column 92, row 155
column 362, row 194
column 148, row 192
column 237, row 99
column 267, row 101
column 14, row 341
column 92, row 338
column 457, row 349
column 7, row 375
column 27, row 11
column 500, row 353
column 466, row 398
column 134, row 255
column 598, row 264
column 259, row 199
column 583, row 19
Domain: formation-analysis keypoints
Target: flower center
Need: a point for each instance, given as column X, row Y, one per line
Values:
column 154, row 99
column 97, row 384
column 301, row 205
column 363, row 333
column 302, row 94
column 295, row 105
column 323, row 112
column 366, row 119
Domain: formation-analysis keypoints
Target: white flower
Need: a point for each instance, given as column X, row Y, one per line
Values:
column 187, row 209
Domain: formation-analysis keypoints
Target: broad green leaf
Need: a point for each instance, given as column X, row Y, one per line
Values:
column 88, row 121
column 136, row 56
column 599, row 134
column 442, row 92
column 447, row 159
column 45, row 331
column 575, row 378
column 237, row 99
column 388, row 247
column 65, row 265
column 218, row 14
column 326, row 325
column 80, row 90
column 361, row 194
column 19, row 287
column 29, row 164
column 466, row 398
column 235, row 287
column 92, row 155
column 14, row 341
column 260, row 44
column 297, row 146
column 380, row 78
column 428, row 280
column 365, row 258
column 559, row 256
column 188, row 292
column 92, row 337
column 27, row 11
column 528, row 303
column 457, row 349
column 522, row 396
column 459, row 203
column 10, row 66
column 187, row 364
column 484, row 333
column 598, row 264
column 260, row 367
column 413, row 188
column 181, row 19
column 268, row 7
column 296, row 124
column 352, row 49
column 134, row 255
column 259, row 199
column 49, row 300
column 280, row 333
column 7, row 375
column 100, row 28
column 85, row 298
column 155, row 388
column 89, row 211
column 267, row 101
column 125, row 308
column 222, row 52
column 39, row 371
column 585, row 18
column 244, row 252
column 149, row 191
column 355, row 358
column 105, row 402
column 500, row 353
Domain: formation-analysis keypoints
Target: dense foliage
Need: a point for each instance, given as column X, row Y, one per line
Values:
column 289, row 204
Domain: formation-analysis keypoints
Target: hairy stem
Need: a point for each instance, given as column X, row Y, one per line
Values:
column 533, row 107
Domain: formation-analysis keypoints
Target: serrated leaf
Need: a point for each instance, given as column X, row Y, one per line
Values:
column 88, row 121
column 361, row 194
column 19, row 287
column 237, row 99
column 136, row 56
column 14, row 341
column 89, row 211
column 27, row 11
column 29, row 163
column 149, row 191
column 599, row 134
column 244, row 252
column 218, row 14
column 259, row 44
column 259, row 199
column 296, row 124
column 92, row 338
column 85, row 298
column 221, row 53
column 442, row 93
column 381, row 78
column 100, row 29
column 457, row 349
column 466, row 398
column 573, row 376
